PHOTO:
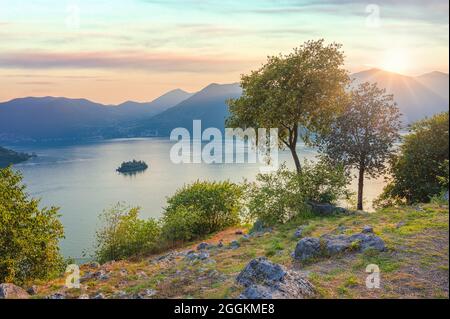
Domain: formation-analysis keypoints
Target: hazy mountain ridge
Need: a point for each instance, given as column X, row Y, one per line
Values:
column 417, row 97
column 49, row 118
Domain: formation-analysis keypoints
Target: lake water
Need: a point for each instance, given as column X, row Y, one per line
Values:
column 82, row 181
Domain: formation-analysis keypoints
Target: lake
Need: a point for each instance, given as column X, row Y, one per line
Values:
column 82, row 181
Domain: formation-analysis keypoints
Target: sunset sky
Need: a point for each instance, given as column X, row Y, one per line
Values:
column 111, row 51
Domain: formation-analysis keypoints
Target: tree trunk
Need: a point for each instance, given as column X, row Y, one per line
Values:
column 361, row 188
column 298, row 165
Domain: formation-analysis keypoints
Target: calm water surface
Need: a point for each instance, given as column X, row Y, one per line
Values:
column 82, row 180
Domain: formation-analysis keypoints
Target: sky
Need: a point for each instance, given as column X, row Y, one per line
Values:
column 111, row 51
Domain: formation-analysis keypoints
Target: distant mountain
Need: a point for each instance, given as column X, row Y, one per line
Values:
column 57, row 118
column 417, row 97
column 132, row 109
column 8, row 157
column 208, row 105
column 53, row 119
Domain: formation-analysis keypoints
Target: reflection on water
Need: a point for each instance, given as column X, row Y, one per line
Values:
column 82, row 180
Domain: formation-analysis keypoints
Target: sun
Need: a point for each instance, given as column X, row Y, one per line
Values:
column 395, row 60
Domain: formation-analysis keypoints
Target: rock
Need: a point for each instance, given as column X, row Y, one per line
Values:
column 84, row 296
column 446, row 196
column 326, row 209
column 239, row 232
column 258, row 227
column 299, row 232
column 146, row 294
column 99, row 296
column 121, row 295
column 220, row 244
column 11, row 291
column 33, row 290
column 94, row 265
column 234, row 245
column 57, row 296
column 246, row 237
column 202, row 246
column 307, row 248
column 341, row 229
column 367, row 230
column 197, row 256
column 266, row 280
column 260, row 270
column 329, row 245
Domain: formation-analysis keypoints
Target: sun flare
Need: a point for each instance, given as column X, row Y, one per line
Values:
column 396, row 60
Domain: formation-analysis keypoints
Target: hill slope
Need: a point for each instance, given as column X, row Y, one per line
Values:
column 415, row 264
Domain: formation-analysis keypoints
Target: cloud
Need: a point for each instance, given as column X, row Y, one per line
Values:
column 122, row 60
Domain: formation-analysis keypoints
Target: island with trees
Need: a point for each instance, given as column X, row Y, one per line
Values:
column 132, row 167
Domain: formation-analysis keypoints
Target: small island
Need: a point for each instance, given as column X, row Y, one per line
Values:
column 132, row 167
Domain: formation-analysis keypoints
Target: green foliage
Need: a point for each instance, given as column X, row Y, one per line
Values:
column 29, row 236
column 280, row 196
column 298, row 92
column 202, row 208
column 362, row 137
column 420, row 169
column 123, row 234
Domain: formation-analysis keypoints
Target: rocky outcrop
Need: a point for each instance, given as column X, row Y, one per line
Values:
column 326, row 209
column 11, row 291
column 330, row 245
column 266, row 280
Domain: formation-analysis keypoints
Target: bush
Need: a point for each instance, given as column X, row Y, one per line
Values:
column 200, row 209
column 123, row 234
column 282, row 195
column 29, row 236
column 420, row 169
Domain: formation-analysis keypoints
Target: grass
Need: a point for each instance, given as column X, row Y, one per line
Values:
column 414, row 266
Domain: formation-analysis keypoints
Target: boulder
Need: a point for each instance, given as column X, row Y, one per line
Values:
column 11, row 291
column 326, row 209
column 234, row 245
column 197, row 256
column 203, row 246
column 266, row 280
column 99, row 296
column 57, row 296
column 330, row 245
column 307, row 248
column 33, row 290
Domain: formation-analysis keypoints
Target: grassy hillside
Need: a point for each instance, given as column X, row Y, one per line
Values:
column 414, row 266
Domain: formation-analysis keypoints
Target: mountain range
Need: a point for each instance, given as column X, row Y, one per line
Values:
column 61, row 119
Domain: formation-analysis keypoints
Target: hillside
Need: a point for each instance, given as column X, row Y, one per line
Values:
column 8, row 157
column 414, row 265
column 58, row 118
column 208, row 105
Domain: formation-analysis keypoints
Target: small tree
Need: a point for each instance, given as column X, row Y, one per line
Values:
column 420, row 169
column 299, row 94
column 29, row 236
column 363, row 136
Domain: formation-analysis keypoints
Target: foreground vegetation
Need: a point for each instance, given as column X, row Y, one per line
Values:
column 414, row 266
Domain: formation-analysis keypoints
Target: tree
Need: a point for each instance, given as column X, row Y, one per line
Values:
column 420, row 169
column 298, row 93
column 362, row 137
column 29, row 236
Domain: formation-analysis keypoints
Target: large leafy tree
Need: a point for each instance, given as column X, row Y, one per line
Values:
column 362, row 137
column 29, row 235
column 298, row 93
column 420, row 169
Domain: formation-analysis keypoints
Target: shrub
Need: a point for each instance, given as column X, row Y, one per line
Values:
column 200, row 209
column 282, row 195
column 123, row 234
column 29, row 236
column 420, row 169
